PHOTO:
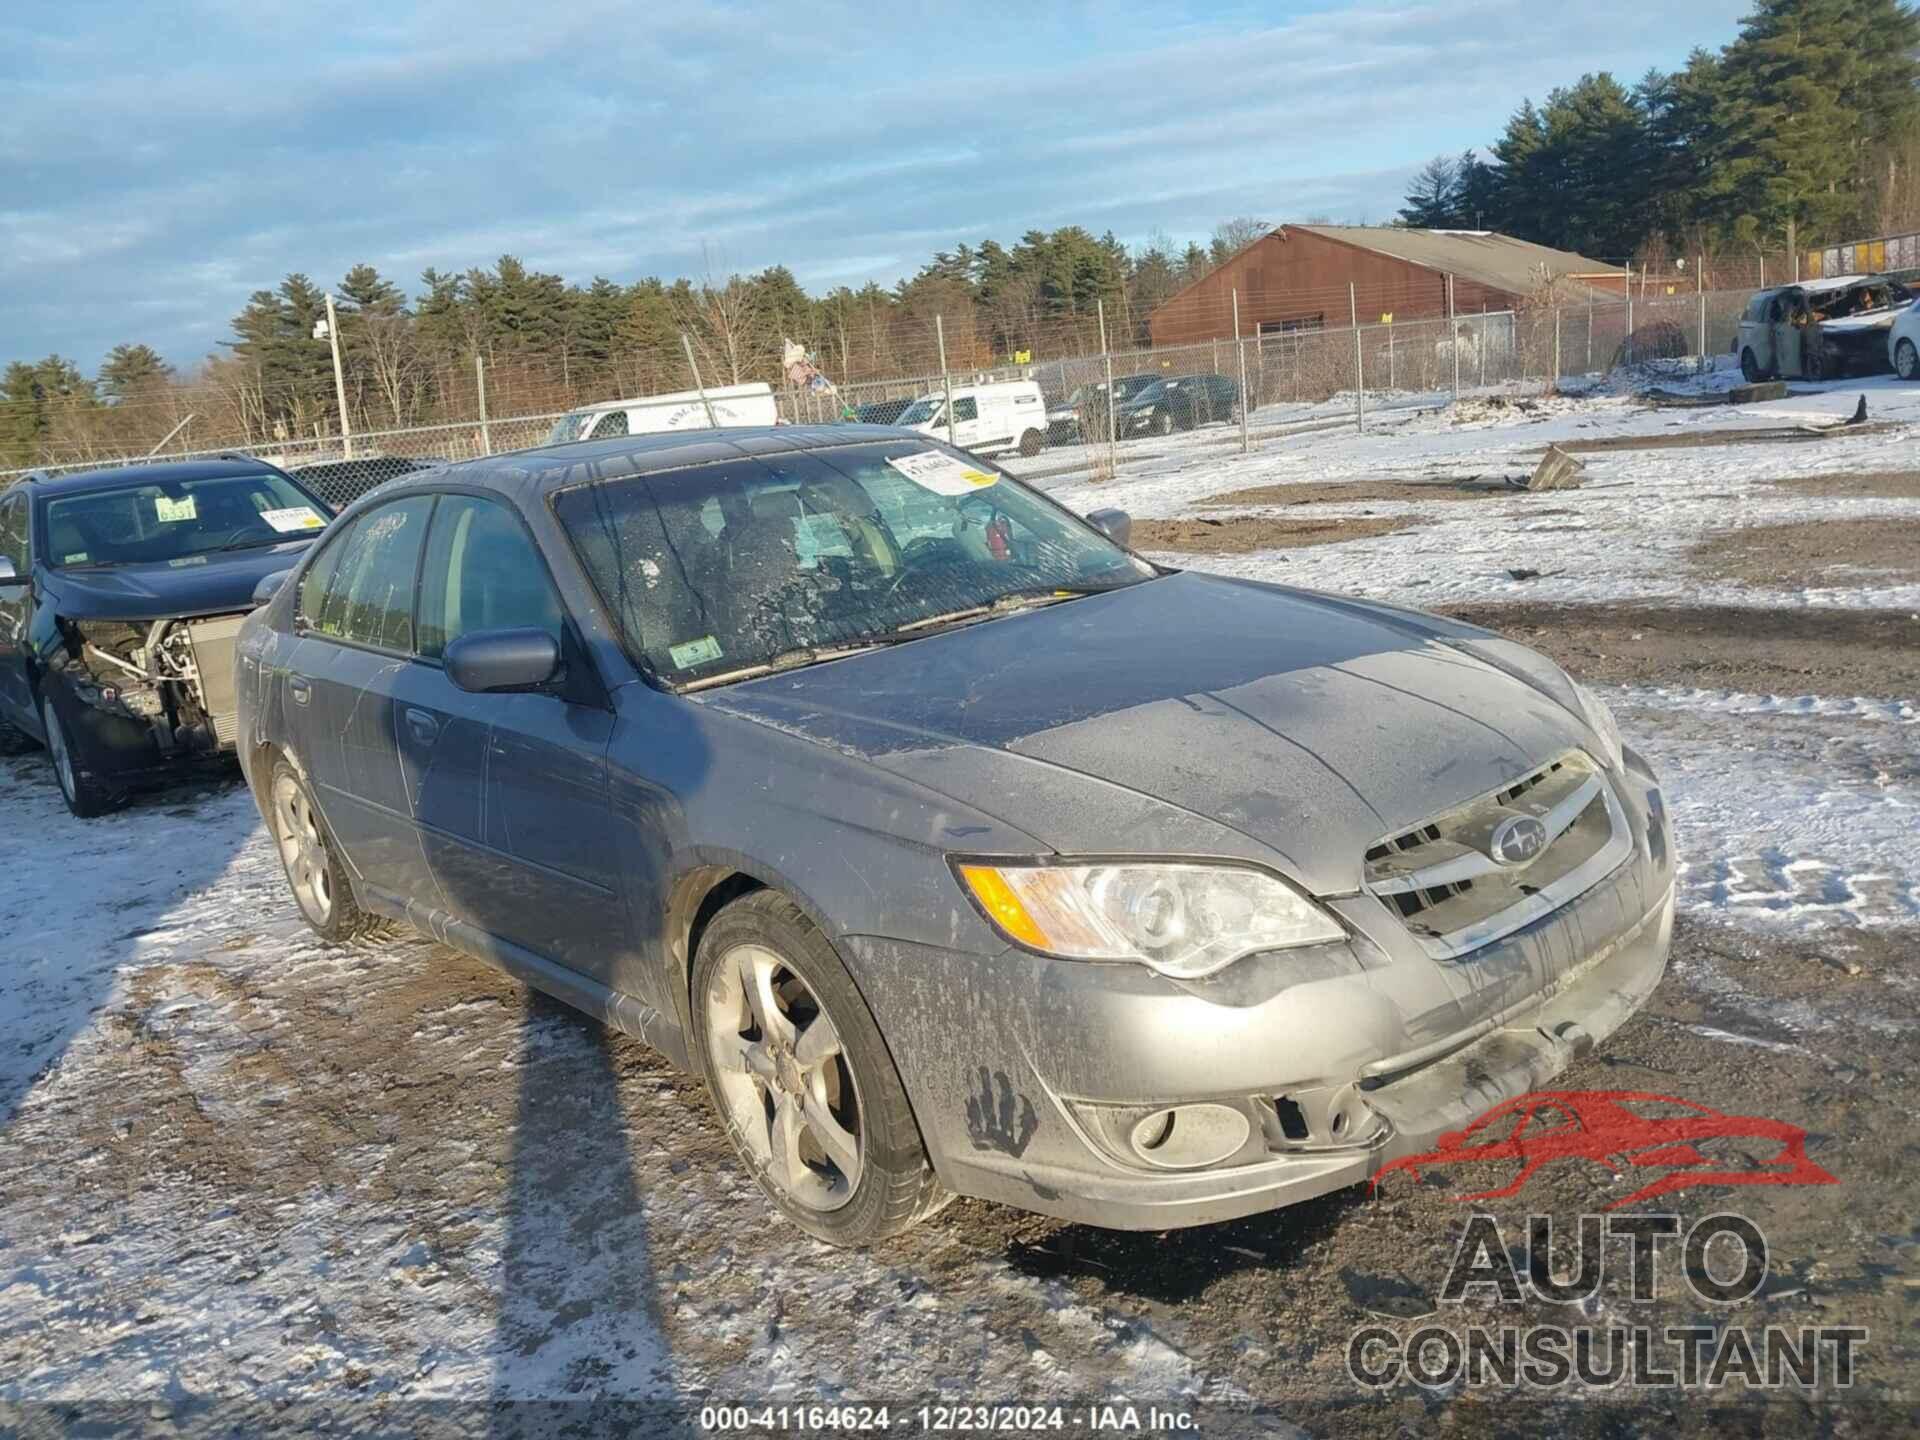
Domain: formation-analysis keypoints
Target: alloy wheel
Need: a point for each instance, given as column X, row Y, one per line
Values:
column 57, row 748
column 303, row 849
column 1906, row 360
column 784, row 1080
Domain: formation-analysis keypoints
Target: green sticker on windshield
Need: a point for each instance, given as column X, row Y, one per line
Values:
column 694, row 652
column 167, row 511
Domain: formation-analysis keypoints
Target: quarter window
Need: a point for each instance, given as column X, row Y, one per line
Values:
column 313, row 585
column 369, row 596
column 966, row 408
column 482, row 572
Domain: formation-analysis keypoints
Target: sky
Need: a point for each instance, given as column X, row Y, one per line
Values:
column 160, row 162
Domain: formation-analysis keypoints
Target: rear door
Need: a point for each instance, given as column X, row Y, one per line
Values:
column 509, row 791
column 354, row 654
column 16, row 606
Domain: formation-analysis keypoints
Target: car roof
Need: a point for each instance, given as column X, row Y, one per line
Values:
column 120, row 477
column 551, row 467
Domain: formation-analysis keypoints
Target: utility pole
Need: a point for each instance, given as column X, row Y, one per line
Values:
column 332, row 326
column 686, row 344
column 946, row 380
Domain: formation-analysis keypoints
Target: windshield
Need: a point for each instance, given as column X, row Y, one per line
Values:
column 568, row 427
column 722, row 568
column 920, row 412
column 179, row 520
column 1150, row 394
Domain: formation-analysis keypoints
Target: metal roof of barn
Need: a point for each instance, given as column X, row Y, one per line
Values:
column 1498, row 261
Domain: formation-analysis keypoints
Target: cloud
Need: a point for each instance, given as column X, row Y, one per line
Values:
column 157, row 164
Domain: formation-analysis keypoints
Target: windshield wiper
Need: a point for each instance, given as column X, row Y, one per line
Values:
column 797, row 658
column 250, row 542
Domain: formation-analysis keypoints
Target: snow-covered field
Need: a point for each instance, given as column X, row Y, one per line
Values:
column 239, row 1164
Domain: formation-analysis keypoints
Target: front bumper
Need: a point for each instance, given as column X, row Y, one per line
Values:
column 1013, row 1061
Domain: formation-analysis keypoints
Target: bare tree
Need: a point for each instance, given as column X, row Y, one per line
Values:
column 728, row 327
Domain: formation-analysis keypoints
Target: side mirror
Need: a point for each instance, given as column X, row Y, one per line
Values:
column 269, row 587
column 1116, row 525
column 493, row 660
column 10, row 578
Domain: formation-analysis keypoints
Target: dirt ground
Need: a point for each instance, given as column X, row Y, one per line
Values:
column 1877, row 484
column 1361, row 492
column 1243, row 534
column 1800, row 651
column 1814, row 553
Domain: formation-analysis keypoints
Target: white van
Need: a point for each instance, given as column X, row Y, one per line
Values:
column 987, row 419
column 683, row 410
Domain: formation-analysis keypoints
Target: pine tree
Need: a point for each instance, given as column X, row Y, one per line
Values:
column 130, row 369
column 1434, row 194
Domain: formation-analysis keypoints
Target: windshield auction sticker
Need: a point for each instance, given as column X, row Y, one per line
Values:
column 942, row 473
column 293, row 518
column 169, row 512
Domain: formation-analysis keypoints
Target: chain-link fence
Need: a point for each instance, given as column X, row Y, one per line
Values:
column 1109, row 398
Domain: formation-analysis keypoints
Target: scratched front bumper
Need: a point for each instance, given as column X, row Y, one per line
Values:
column 1005, row 1057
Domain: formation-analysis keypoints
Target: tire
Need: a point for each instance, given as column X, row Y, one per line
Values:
column 311, row 859
column 1906, row 361
column 87, row 796
column 1163, row 423
column 1750, row 370
column 1032, row 443
column 818, row 1116
column 1811, row 366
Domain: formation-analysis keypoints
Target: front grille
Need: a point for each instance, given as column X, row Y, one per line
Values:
column 1443, row 880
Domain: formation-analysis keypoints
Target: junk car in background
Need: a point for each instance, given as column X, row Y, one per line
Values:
column 121, row 592
column 1821, row 329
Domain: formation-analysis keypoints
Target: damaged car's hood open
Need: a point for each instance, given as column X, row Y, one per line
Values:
column 1310, row 725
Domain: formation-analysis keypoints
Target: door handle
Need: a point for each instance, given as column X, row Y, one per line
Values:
column 425, row 728
column 299, row 688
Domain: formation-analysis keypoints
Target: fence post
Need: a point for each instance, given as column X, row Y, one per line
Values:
column 1359, row 362
column 1554, row 387
column 1453, row 338
column 1703, row 332
column 713, row 421
column 1106, row 355
column 1763, row 269
column 1240, row 349
column 1483, row 345
column 1589, row 369
column 1627, row 341
column 480, row 385
column 1392, row 381
column 946, row 380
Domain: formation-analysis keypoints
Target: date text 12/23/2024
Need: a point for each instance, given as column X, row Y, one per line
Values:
column 944, row 1419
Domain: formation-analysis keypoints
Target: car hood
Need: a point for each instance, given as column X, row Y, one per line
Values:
column 208, row 585
column 1312, row 725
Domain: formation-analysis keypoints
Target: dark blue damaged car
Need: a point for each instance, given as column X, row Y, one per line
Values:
column 961, row 850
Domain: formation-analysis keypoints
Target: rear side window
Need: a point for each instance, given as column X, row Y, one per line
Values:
column 966, row 408
column 613, row 423
column 482, row 572
column 369, row 595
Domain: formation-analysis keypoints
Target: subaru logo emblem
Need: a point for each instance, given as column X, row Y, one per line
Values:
column 1518, row 841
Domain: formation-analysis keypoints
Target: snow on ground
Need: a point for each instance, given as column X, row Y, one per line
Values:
column 1623, row 535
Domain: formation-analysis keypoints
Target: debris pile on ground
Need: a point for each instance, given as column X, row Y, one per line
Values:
column 1661, row 340
column 1557, row 470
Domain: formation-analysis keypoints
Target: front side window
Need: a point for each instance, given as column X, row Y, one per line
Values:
column 179, row 520
column 920, row 412
column 369, row 594
column 723, row 568
column 966, row 408
column 482, row 572
column 612, row 424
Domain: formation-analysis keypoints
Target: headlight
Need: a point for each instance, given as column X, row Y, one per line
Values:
column 1601, row 720
column 1182, row 920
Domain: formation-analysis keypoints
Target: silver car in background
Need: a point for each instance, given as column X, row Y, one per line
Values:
column 959, row 849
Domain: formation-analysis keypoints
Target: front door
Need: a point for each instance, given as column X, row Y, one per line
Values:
column 354, row 655
column 509, row 792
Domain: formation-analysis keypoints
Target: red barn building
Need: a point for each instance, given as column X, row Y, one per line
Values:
column 1297, row 278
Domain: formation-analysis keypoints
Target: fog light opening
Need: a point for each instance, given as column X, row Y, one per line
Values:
column 1339, row 1125
column 1189, row 1137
